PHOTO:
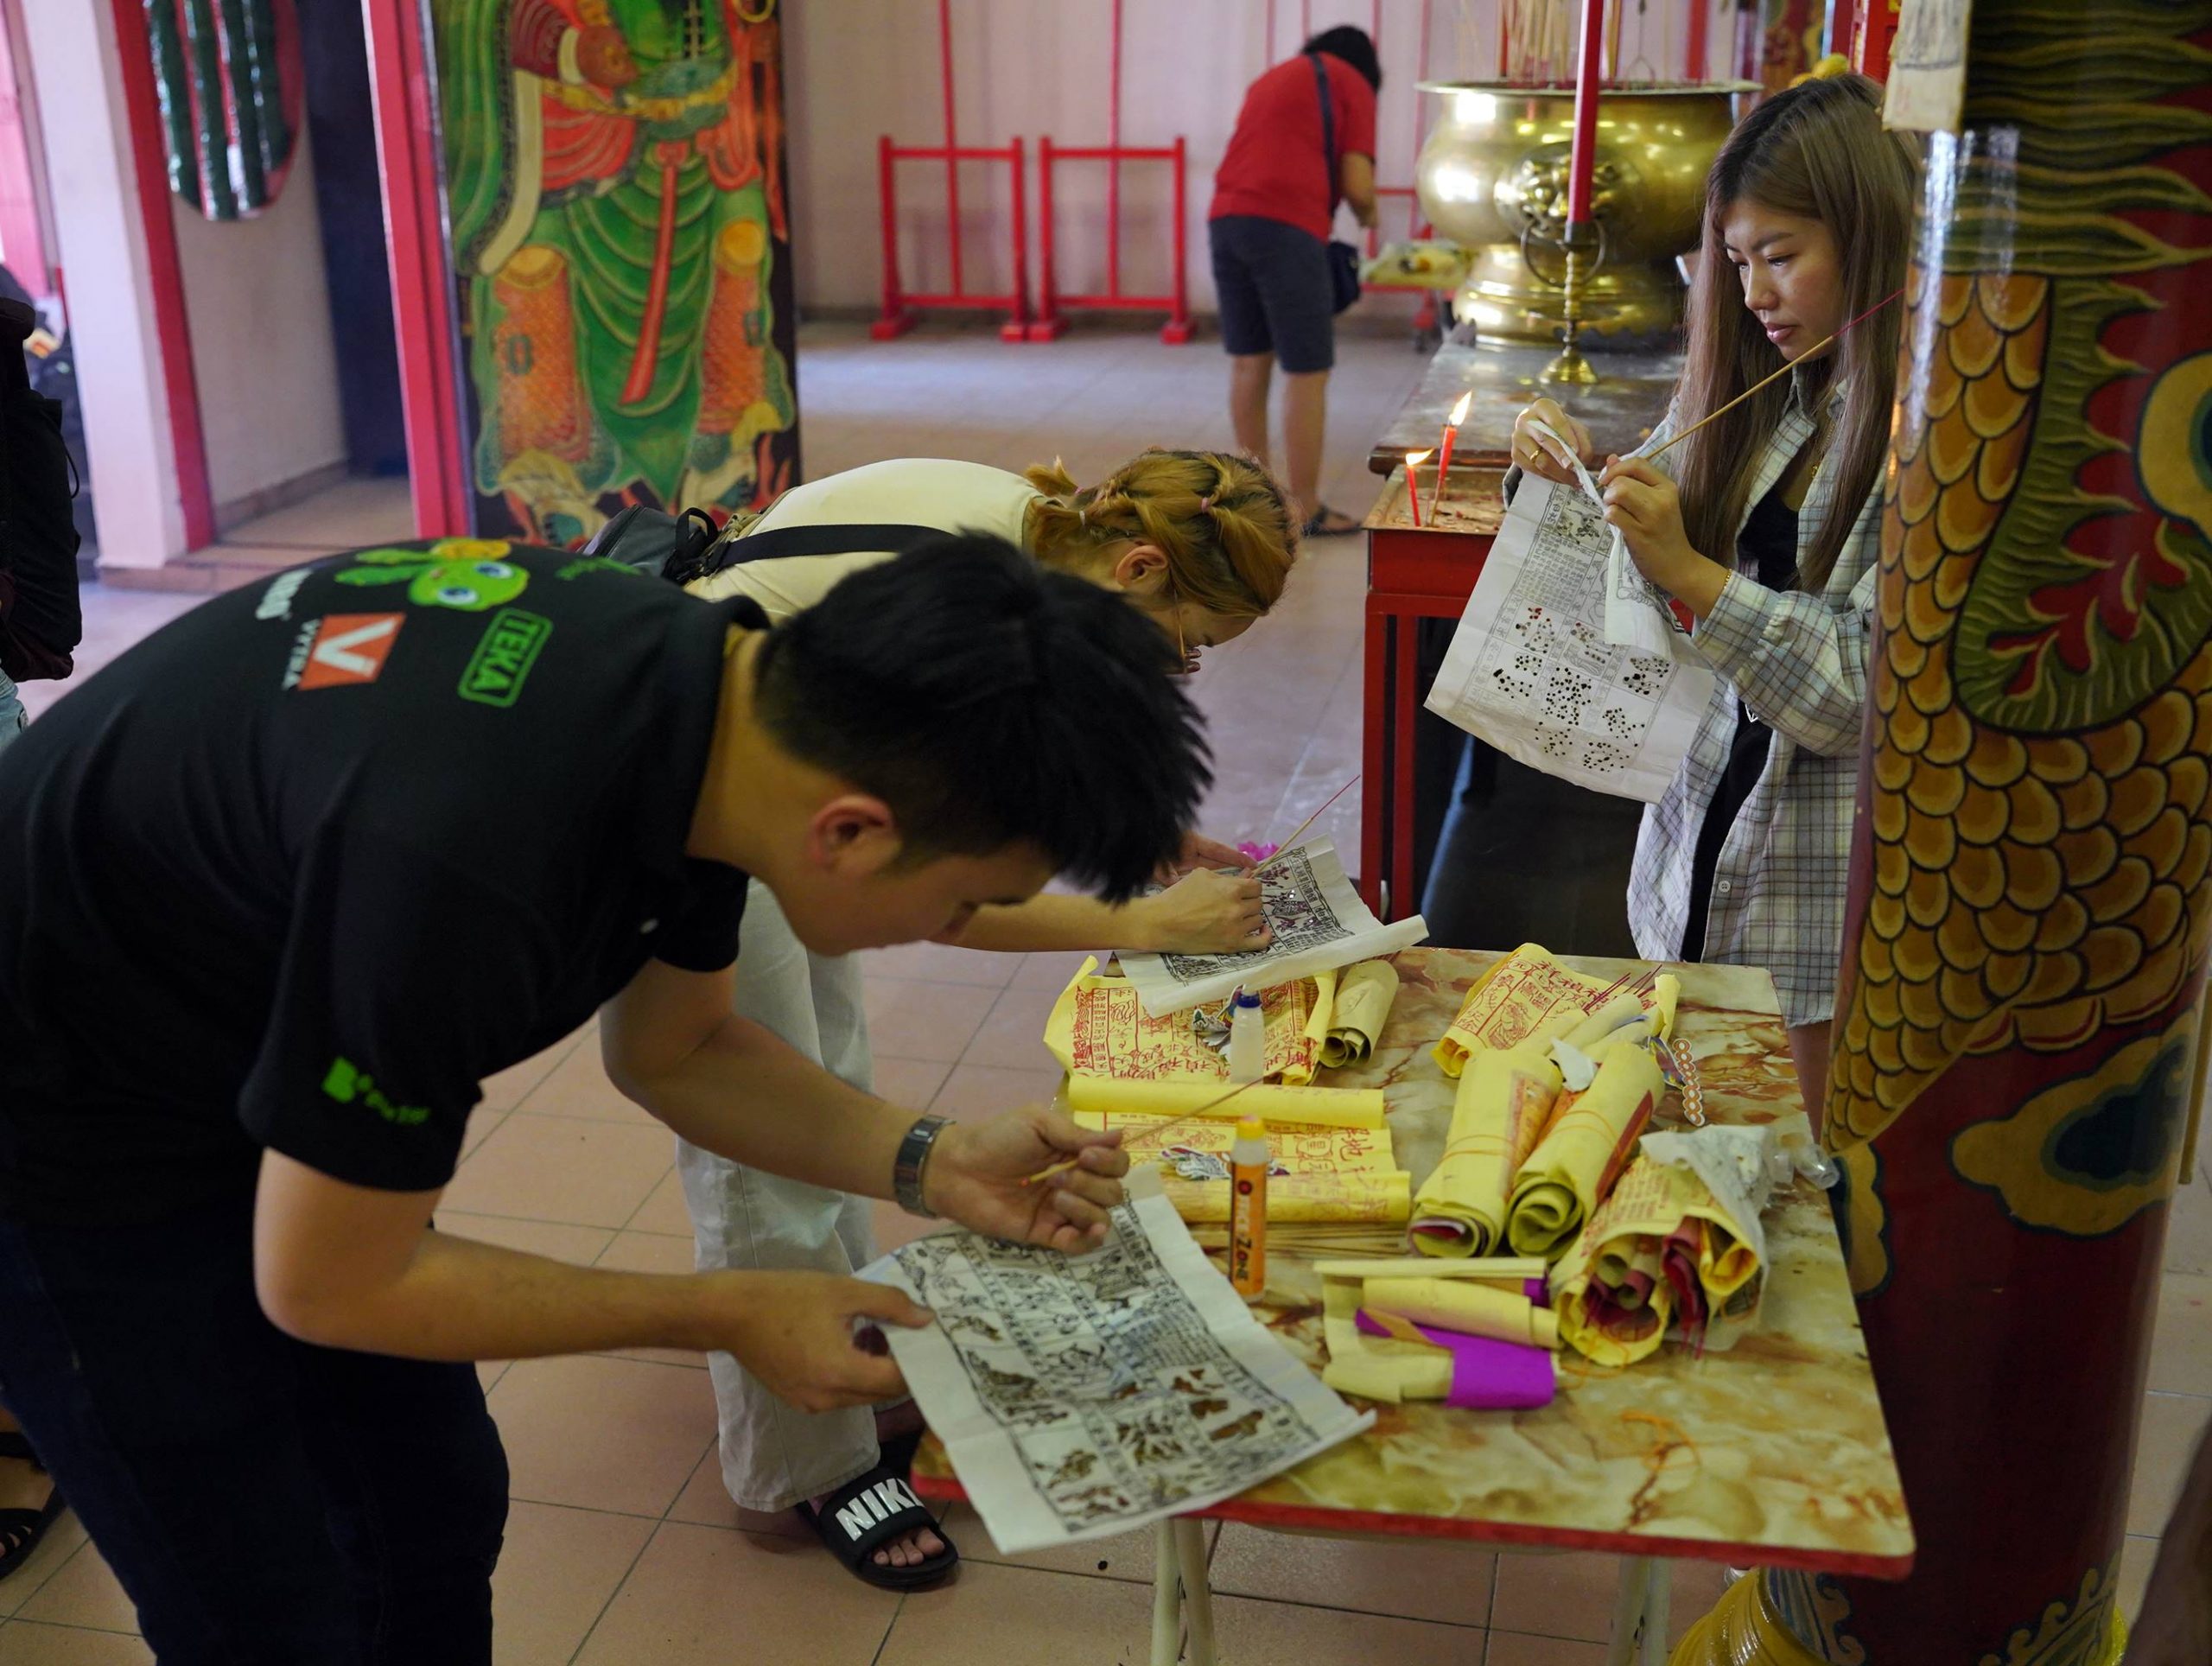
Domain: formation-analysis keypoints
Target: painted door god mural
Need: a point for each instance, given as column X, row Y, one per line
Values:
column 621, row 253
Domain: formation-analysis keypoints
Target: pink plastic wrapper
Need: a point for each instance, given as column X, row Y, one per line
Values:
column 1487, row 1375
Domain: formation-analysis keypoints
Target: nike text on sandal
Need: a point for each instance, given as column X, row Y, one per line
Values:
column 861, row 1517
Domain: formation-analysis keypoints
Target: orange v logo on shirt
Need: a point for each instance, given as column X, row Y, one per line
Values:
column 344, row 648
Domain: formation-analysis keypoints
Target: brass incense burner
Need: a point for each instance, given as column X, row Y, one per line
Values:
column 1493, row 177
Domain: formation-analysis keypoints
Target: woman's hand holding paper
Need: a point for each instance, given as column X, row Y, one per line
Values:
column 1539, row 455
column 1647, row 508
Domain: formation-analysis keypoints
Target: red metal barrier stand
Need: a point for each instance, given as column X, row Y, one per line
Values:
column 1049, row 322
column 899, row 305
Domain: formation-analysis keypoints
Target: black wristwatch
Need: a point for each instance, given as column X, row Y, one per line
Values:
column 913, row 1158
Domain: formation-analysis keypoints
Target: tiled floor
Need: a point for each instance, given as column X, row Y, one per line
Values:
column 622, row 1549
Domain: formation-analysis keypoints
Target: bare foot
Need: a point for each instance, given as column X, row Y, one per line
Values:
column 909, row 1549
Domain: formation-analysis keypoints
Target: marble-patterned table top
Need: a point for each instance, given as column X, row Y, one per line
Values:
column 1774, row 1453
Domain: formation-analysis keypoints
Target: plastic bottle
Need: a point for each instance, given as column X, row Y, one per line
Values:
column 1248, row 1209
column 1248, row 1039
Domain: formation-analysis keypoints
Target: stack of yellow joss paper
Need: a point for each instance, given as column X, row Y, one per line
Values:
column 1333, row 1164
column 1527, row 1156
column 1472, row 1333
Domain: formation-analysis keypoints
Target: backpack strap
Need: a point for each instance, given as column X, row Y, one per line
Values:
column 835, row 538
column 684, row 548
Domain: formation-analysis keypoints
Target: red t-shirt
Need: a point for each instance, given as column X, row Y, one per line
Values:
column 1273, row 168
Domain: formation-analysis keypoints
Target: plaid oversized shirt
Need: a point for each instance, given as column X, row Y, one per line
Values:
column 1798, row 662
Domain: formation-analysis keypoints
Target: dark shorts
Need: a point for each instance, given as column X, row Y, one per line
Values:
column 1272, row 281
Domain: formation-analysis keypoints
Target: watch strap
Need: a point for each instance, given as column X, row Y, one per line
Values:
column 913, row 1158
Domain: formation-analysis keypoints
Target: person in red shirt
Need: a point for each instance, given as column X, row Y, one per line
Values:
column 1274, row 199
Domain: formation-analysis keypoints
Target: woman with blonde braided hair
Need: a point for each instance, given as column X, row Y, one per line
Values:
column 1201, row 542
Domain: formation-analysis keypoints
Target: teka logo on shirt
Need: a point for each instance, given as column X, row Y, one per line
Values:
column 510, row 647
column 349, row 1085
column 342, row 648
column 276, row 600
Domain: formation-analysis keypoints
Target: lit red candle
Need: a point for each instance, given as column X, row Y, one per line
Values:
column 1584, row 153
column 1443, row 457
column 1414, row 460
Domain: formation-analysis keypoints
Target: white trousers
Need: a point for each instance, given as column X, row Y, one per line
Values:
column 774, row 1454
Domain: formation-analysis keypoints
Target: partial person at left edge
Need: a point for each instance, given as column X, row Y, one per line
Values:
column 40, row 624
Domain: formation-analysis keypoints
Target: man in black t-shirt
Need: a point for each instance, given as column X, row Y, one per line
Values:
column 297, row 873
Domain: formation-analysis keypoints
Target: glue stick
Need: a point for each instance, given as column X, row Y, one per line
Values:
column 1248, row 1039
column 1248, row 1209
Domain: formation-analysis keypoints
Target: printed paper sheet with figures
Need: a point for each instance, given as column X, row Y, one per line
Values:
column 1319, row 924
column 1530, row 671
column 1518, row 995
column 1080, row 1396
column 1637, row 616
column 1099, row 1027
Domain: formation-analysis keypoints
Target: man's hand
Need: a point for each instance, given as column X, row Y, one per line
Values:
column 1539, row 455
column 796, row 1333
column 978, row 1174
column 1202, row 914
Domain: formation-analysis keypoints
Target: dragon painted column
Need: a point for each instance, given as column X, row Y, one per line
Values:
column 2015, row 1034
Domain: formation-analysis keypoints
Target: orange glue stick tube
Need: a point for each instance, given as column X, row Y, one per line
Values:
column 1248, row 1209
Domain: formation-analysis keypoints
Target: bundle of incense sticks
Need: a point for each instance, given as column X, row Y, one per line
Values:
column 1291, row 842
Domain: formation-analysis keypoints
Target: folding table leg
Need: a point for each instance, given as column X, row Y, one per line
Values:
column 1167, row 1595
column 1658, row 1593
column 1629, row 1601
column 1198, row 1592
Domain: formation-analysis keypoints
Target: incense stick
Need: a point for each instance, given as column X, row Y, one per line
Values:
column 1292, row 840
column 1062, row 1166
column 1818, row 348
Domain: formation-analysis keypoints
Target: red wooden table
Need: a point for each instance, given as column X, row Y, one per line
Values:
column 1428, row 574
column 1412, row 575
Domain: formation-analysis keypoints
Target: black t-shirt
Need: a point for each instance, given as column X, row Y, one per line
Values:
column 303, row 868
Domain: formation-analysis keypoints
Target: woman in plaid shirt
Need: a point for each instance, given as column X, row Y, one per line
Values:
column 1808, row 213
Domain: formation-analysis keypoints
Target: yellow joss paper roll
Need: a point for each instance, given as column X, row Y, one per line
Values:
column 1330, row 1107
column 1318, row 1199
column 1467, row 1306
column 1583, row 1152
column 1502, row 1099
column 1364, row 995
column 1526, row 1000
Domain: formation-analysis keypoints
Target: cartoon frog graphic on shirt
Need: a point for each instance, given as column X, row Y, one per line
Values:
column 467, row 574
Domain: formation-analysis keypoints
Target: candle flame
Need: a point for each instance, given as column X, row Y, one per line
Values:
column 1413, row 458
column 1460, row 411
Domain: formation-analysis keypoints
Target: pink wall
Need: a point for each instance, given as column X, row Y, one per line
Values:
column 23, row 237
